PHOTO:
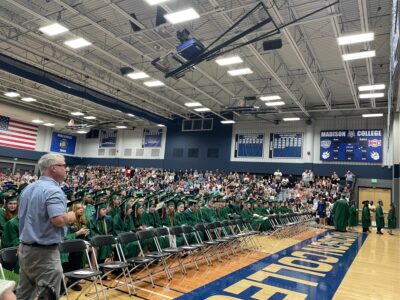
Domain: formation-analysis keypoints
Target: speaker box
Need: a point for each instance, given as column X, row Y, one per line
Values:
column 272, row 44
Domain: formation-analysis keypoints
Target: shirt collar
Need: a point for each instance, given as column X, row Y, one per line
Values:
column 46, row 178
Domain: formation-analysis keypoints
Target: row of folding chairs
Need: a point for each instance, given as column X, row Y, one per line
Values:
column 291, row 224
column 203, row 242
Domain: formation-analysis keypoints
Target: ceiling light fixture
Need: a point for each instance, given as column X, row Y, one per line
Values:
column 160, row 125
column 155, row 2
column 370, row 96
column 131, row 115
column 89, row 117
column 37, row 121
column 49, row 124
column 153, row 83
column 137, row 75
column 182, row 16
column 53, row 29
column 365, row 88
column 291, row 119
column 227, row 122
column 193, row 104
column 202, row 109
column 275, row 103
column 11, row 94
column 372, row 115
column 269, row 98
column 81, row 131
column 355, row 38
column 225, row 61
column 77, row 43
column 359, row 55
column 239, row 72
column 77, row 113
column 28, row 99
column 121, row 127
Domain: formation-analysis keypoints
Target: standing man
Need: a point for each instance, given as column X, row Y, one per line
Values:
column 366, row 217
column 380, row 219
column 341, row 214
column 43, row 218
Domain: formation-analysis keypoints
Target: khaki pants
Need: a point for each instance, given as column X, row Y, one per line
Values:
column 38, row 263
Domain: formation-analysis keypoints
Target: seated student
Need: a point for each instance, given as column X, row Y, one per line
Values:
column 10, row 209
column 10, row 237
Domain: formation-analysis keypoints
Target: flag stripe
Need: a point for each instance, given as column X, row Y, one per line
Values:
column 16, row 145
column 14, row 139
column 17, row 134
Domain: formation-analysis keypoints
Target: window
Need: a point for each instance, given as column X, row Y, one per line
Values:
column 197, row 125
column 177, row 152
column 193, row 152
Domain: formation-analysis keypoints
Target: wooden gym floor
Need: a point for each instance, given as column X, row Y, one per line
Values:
column 370, row 269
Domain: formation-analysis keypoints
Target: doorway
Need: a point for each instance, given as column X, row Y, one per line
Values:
column 374, row 194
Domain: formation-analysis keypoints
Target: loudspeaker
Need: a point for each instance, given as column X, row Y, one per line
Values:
column 309, row 122
column 272, row 44
column 126, row 70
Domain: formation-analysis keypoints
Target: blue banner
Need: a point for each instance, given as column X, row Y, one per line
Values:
column 360, row 145
column 249, row 145
column 108, row 139
column 63, row 143
column 286, row 145
column 152, row 137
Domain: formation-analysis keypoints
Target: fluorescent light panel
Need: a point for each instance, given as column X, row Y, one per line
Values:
column 356, row 38
column 372, row 115
column 48, row 124
column 153, row 83
column 11, row 94
column 131, row 115
column 77, row 113
column 160, row 125
column 77, row 43
column 291, row 119
column 137, row 75
column 121, row 127
column 201, row 109
column 275, row 103
column 37, row 121
column 370, row 96
column 182, row 16
column 359, row 55
column 81, row 131
column 239, row 72
column 89, row 117
column 193, row 104
column 269, row 98
column 227, row 122
column 155, row 2
column 53, row 29
column 28, row 99
column 365, row 88
column 225, row 61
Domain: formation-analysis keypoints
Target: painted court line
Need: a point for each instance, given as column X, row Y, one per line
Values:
column 311, row 269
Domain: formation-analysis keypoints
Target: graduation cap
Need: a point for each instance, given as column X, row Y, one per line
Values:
column 73, row 202
column 69, row 193
column 171, row 202
column 180, row 202
column 192, row 201
column 100, row 205
column 10, row 197
column 115, row 195
column 22, row 186
column 365, row 202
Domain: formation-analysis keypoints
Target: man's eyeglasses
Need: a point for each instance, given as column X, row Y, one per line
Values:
column 60, row 165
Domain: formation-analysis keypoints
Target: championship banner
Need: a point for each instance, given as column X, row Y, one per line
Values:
column 286, row 145
column 152, row 137
column 108, row 139
column 63, row 143
column 360, row 145
column 249, row 145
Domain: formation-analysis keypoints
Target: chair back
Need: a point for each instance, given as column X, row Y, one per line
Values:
column 69, row 246
column 8, row 256
column 176, row 230
column 102, row 240
column 162, row 231
column 145, row 234
column 127, row 237
column 188, row 229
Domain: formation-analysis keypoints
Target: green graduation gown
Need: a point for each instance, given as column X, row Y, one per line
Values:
column 209, row 215
column 126, row 225
column 101, row 227
column 10, row 236
column 392, row 219
column 379, row 217
column 89, row 211
column 341, row 214
column 353, row 216
column 366, row 217
column 151, row 219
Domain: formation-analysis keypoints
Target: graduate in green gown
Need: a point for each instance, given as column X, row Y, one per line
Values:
column 169, row 217
column 151, row 217
column 379, row 217
column 391, row 218
column 101, row 224
column 180, row 219
column 124, row 223
column 114, row 208
column 190, row 215
column 88, row 201
column 366, row 217
column 10, row 209
column 340, row 211
column 10, row 236
column 352, row 216
column 208, row 211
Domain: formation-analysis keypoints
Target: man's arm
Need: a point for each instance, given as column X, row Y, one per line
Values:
column 63, row 220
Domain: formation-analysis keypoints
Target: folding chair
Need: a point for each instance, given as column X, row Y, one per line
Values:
column 126, row 238
column 186, row 248
column 149, row 235
column 211, row 245
column 189, row 231
column 115, row 265
column 94, row 275
column 8, row 259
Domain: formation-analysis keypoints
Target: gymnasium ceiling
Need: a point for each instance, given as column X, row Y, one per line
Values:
column 307, row 72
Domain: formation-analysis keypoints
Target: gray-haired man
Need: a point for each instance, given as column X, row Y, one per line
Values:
column 42, row 216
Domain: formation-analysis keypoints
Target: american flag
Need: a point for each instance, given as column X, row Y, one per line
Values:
column 17, row 134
